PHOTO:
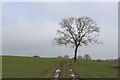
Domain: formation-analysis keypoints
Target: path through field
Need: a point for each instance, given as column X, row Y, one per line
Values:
column 65, row 70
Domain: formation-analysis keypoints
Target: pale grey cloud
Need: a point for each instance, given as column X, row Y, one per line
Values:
column 59, row 0
column 29, row 28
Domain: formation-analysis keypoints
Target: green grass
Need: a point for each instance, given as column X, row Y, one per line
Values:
column 0, row 67
column 91, row 69
column 28, row 67
column 65, row 71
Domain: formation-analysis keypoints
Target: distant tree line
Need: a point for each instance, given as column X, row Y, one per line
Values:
column 85, row 57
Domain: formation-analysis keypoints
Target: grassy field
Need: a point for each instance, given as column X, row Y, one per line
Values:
column 27, row 67
column 0, row 67
column 91, row 69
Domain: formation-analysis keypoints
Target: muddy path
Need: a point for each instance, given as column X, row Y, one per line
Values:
column 65, row 70
column 72, row 72
column 58, row 70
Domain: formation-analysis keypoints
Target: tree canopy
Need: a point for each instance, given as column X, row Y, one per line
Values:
column 77, row 31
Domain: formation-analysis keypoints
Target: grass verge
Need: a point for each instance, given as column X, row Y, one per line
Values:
column 92, row 69
column 28, row 67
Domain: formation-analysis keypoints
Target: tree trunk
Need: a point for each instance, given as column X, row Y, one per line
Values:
column 75, row 56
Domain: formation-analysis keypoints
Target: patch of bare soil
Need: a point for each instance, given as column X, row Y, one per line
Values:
column 116, row 67
column 73, row 73
column 58, row 71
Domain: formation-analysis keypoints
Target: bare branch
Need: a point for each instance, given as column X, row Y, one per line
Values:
column 77, row 31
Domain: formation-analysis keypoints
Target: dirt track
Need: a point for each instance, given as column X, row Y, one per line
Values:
column 59, row 70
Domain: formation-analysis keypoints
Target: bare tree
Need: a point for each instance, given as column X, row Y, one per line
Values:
column 76, row 32
column 66, row 56
column 87, row 57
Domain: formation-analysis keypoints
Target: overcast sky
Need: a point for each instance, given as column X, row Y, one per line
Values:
column 29, row 28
